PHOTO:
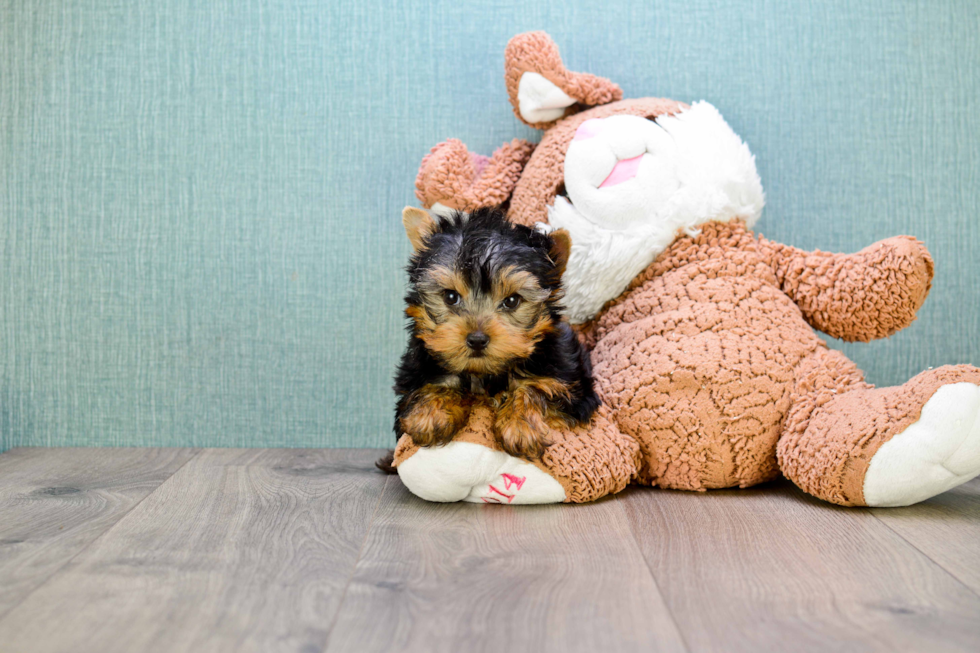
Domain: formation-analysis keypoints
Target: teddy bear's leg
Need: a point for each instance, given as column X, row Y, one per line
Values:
column 472, row 468
column 855, row 445
column 451, row 177
column 582, row 464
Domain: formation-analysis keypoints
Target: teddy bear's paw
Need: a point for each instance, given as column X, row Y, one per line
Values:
column 938, row 452
column 497, row 175
column 445, row 175
column 466, row 471
column 451, row 178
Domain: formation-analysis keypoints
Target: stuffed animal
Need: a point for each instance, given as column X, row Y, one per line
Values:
column 702, row 333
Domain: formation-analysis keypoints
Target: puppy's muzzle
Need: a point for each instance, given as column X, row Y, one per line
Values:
column 477, row 341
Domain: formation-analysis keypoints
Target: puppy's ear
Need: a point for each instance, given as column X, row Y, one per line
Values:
column 561, row 248
column 419, row 225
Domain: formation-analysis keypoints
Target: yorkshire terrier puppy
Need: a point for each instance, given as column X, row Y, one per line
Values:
column 486, row 320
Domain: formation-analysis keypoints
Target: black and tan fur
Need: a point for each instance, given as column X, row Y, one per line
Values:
column 484, row 303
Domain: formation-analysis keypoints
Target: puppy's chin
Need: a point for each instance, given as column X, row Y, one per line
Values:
column 459, row 361
column 502, row 354
column 483, row 364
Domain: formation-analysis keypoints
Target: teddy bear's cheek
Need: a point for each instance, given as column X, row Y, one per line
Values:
column 622, row 173
column 588, row 163
column 630, row 192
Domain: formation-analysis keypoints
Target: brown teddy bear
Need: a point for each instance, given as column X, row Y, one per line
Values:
column 701, row 332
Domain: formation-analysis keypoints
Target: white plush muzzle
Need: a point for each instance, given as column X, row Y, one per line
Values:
column 634, row 184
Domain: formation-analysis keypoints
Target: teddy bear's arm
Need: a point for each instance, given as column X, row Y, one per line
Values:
column 454, row 178
column 856, row 297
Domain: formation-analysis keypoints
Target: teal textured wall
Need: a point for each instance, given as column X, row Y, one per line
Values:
column 199, row 201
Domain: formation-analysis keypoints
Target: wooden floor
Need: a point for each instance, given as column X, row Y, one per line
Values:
column 132, row 550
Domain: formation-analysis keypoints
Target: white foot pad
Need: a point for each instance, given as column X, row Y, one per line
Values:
column 464, row 471
column 935, row 454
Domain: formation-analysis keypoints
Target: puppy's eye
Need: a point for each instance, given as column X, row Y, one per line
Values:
column 512, row 302
column 451, row 297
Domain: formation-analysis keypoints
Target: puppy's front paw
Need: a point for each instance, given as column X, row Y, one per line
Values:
column 520, row 428
column 434, row 416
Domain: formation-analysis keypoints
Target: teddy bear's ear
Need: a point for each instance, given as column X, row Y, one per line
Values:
column 542, row 91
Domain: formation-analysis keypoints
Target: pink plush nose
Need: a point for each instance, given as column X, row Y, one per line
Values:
column 587, row 129
column 623, row 171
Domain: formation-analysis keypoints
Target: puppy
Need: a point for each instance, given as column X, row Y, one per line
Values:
column 486, row 320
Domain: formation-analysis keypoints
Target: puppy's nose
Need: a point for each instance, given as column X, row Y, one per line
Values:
column 477, row 340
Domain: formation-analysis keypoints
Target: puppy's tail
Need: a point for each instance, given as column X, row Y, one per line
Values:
column 385, row 463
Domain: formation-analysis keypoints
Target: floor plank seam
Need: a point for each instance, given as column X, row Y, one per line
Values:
column 85, row 548
column 927, row 556
column 353, row 570
column 653, row 577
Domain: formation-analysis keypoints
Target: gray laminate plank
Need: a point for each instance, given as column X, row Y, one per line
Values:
column 946, row 528
column 770, row 568
column 55, row 502
column 465, row 577
column 241, row 550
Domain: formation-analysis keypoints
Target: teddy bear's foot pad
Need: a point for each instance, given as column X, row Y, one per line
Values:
column 465, row 471
column 938, row 452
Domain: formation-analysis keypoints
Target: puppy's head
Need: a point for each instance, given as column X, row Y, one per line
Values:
column 483, row 291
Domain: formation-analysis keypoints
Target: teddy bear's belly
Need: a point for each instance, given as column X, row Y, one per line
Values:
column 704, row 381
